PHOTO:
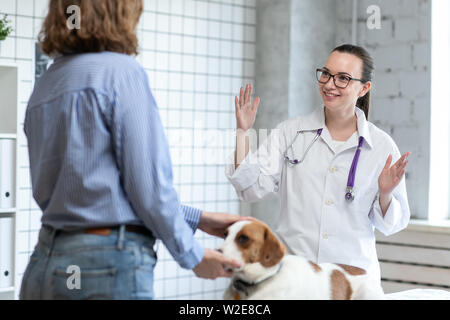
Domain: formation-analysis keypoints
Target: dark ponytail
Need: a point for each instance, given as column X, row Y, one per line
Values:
column 367, row 72
column 364, row 104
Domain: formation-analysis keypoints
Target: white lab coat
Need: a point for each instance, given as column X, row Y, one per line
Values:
column 315, row 219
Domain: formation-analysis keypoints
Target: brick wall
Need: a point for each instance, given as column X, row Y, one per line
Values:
column 402, row 82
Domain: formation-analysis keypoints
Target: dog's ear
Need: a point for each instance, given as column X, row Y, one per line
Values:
column 272, row 251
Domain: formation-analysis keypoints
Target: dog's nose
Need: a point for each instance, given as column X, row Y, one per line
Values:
column 220, row 250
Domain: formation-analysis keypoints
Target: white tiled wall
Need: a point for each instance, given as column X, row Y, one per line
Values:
column 197, row 54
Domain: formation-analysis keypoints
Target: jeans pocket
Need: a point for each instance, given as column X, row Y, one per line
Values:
column 75, row 283
column 144, row 274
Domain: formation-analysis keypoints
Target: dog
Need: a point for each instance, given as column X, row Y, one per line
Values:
column 267, row 273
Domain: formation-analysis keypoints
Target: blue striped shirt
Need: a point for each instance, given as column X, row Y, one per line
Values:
column 98, row 153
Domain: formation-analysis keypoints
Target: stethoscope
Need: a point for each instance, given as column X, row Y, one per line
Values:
column 349, row 193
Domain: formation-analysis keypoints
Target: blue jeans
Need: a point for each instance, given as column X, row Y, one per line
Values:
column 75, row 265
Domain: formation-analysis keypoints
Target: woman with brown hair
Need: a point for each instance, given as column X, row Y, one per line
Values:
column 338, row 176
column 100, row 166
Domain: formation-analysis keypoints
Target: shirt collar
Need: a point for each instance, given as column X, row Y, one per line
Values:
column 316, row 121
column 363, row 126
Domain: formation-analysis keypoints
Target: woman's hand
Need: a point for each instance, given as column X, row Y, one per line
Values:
column 245, row 111
column 216, row 223
column 389, row 179
column 391, row 176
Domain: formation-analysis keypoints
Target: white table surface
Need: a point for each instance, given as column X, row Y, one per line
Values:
column 419, row 294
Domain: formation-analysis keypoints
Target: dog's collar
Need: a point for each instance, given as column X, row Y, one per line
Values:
column 240, row 285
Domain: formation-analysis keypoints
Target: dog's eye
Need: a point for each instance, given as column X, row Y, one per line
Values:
column 242, row 239
column 225, row 234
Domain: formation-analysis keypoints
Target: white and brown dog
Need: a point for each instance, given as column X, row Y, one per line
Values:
column 268, row 273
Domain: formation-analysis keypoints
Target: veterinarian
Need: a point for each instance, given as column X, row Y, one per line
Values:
column 338, row 176
column 100, row 166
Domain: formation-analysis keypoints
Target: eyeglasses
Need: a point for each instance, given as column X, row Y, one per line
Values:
column 341, row 80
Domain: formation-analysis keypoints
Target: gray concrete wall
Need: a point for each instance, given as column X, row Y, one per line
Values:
column 273, row 42
column 313, row 25
column 296, row 36
column 272, row 70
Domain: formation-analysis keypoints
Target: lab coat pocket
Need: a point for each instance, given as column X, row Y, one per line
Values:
column 364, row 205
column 360, row 207
column 365, row 190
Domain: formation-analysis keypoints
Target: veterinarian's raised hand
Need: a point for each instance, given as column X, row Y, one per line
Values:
column 214, row 265
column 215, row 223
column 245, row 110
column 391, row 175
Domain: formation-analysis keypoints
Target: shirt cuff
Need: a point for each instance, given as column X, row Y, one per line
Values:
column 192, row 216
column 191, row 258
column 388, row 223
column 245, row 175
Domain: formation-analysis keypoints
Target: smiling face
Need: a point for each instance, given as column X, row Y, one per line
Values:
column 254, row 245
column 345, row 64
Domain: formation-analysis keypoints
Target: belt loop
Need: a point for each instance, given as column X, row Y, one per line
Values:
column 121, row 237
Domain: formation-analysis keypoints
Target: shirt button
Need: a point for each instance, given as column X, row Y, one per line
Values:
column 325, row 235
column 329, row 202
column 332, row 169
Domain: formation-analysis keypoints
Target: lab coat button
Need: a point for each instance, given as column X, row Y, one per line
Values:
column 325, row 235
column 329, row 202
column 332, row 169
